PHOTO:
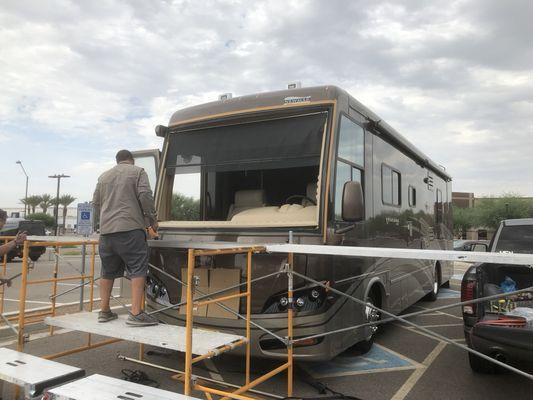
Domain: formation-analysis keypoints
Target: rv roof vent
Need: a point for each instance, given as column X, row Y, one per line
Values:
column 294, row 85
column 225, row 96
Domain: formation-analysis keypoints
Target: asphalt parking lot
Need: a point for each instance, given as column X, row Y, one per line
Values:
column 404, row 363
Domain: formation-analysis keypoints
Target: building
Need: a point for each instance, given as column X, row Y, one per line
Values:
column 71, row 219
column 469, row 200
column 463, row 199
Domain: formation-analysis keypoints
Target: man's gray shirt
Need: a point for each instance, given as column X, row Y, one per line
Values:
column 123, row 199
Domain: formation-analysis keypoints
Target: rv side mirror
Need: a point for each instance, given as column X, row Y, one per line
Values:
column 353, row 205
column 480, row 247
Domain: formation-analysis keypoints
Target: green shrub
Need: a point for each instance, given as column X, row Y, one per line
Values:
column 48, row 220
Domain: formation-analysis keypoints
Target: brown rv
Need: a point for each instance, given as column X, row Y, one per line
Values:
column 263, row 167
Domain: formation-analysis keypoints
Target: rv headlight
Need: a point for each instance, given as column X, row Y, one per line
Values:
column 315, row 294
column 300, row 302
column 283, row 302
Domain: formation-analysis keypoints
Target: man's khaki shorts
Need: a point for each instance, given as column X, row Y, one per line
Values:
column 124, row 251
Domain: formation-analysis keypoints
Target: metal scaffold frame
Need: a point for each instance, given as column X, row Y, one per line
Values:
column 190, row 381
column 196, row 298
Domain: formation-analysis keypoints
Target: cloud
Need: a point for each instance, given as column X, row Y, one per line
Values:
column 81, row 80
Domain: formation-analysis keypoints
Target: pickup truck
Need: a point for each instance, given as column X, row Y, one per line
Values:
column 15, row 225
column 501, row 329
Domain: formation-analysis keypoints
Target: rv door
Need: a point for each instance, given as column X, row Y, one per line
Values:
column 149, row 160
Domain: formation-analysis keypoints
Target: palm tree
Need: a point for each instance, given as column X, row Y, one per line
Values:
column 32, row 202
column 46, row 202
column 65, row 201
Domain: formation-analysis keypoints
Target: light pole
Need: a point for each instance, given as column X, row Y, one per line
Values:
column 26, row 206
column 56, row 208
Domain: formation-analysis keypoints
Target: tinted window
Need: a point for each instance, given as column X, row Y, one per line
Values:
column 351, row 142
column 438, row 207
column 516, row 239
column 390, row 186
column 412, row 196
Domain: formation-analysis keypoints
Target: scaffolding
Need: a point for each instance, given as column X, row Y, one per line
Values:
column 197, row 344
column 200, row 344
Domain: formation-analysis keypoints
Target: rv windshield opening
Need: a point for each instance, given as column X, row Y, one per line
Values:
column 259, row 173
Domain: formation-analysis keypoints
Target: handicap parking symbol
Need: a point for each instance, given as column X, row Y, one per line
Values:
column 377, row 359
column 85, row 215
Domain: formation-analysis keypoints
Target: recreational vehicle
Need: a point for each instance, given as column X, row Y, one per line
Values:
column 310, row 165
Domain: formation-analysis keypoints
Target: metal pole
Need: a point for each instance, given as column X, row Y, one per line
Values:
column 189, row 321
column 26, row 206
column 82, row 281
column 56, row 208
column 248, row 315
column 290, row 311
column 22, row 296
column 26, row 193
column 54, row 284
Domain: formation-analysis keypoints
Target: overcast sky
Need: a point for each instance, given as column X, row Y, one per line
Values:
column 80, row 80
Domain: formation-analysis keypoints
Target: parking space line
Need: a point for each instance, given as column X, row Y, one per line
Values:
column 414, row 330
column 369, row 371
column 440, row 325
column 405, row 358
column 440, row 312
column 418, row 373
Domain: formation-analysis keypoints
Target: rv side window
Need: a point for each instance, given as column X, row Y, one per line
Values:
column 390, row 186
column 351, row 142
column 438, row 207
column 412, row 196
column 351, row 159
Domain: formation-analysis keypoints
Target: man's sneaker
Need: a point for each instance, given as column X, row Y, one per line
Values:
column 141, row 319
column 106, row 316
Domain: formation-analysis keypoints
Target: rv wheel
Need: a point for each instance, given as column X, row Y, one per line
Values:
column 432, row 296
column 371, row 315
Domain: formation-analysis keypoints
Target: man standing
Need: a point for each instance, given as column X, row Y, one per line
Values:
column 124, row 204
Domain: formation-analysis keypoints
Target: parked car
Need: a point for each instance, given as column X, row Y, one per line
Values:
column 470, row 245
column 501, row 329
column 15, row 225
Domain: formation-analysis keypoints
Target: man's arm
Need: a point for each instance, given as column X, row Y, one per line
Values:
column 6, row 248
column 96, row 204
column 19, row 239
column 146, row 200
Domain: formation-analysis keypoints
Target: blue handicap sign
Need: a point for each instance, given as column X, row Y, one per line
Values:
column 376, row 359
column 85, row 215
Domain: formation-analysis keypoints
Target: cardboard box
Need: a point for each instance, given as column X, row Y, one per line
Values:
column 203, row 286
column 221, row 278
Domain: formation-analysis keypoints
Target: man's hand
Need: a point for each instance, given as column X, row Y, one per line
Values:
column 152, row 231
column 20, row 238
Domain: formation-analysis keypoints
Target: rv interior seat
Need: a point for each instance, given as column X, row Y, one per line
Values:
column 245, row 200
column 311, row 192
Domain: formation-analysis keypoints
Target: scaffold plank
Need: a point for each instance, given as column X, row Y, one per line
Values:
column 100, row 387
column 170, row 337
column 34, row 374
column 416, row 254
